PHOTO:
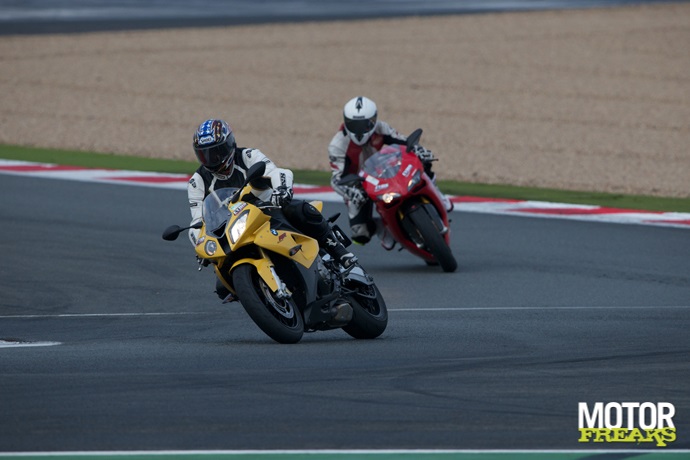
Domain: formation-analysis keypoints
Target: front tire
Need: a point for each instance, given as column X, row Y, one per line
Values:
column 369, row 315
column 280, row 319
column 433, row 240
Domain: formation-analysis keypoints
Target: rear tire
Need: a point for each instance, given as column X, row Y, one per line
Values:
column 369, row 315
column 280, row 319
column 433, row 240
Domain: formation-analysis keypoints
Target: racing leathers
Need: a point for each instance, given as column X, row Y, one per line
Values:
column 301, row 214
column 346, row 157
column 204, row 182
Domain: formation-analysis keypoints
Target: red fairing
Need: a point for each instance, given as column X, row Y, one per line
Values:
column 354, row 152
column 391, row 171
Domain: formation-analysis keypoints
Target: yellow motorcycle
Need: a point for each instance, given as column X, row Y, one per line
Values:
column 284, row 281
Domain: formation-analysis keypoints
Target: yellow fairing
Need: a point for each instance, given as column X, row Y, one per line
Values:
column 295, row 246
column 207, row 247
column 222, row 280
column 300, row 248
column 263, row 267
column 317, row 204
column 255, row 220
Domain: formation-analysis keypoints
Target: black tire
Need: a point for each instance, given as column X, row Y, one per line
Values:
column 433, row 240
column 369, row 315
column 280, row 319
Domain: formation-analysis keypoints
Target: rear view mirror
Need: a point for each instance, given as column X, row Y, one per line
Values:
column 413, row 139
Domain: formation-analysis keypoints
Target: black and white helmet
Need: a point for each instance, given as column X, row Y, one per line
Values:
column 360, row 119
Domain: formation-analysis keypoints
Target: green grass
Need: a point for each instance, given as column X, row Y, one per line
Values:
column 111, row 161
column 96, row 160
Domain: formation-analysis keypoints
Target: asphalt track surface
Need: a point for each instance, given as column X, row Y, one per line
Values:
column 542, row 314
column 125, row 347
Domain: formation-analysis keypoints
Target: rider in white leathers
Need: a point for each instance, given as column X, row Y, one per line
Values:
column 203, row 181
column 223, row 164
column 359, row 137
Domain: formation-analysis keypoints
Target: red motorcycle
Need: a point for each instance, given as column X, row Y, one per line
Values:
column 410, row 207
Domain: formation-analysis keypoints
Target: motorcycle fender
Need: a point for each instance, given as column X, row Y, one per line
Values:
column 413, row 208
column 426, row 206
column 300, row 248
column 434, row 215
column 263, row 268
column 228, row 286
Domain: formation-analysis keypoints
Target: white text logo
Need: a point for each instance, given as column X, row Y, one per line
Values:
column 627, row 422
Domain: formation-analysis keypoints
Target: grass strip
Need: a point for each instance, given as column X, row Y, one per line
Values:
column 112, row 161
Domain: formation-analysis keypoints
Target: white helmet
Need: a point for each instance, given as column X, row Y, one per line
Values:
column 360, row 119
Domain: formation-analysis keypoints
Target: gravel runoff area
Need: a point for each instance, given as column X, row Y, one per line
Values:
column 594, row 99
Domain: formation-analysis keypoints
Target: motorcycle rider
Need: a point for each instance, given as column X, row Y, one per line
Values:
column 359, row 137
column 223, row 164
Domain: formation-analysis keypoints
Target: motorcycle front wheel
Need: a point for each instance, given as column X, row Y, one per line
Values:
column 433, row 240
column 280, row 319
column 369, row 313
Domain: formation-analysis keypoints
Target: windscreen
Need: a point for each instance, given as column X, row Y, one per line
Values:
column 384, row 164
column 215, row 209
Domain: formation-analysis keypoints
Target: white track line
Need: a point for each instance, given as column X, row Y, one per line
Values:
column 574, row 307
column 18, row 344
column 96, row 315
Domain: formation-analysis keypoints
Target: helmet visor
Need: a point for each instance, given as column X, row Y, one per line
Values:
column 360, row 127
column 214, row 158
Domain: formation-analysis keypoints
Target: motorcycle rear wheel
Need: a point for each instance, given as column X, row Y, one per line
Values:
column 434, row 241
column 369, row 315
column 280, row 319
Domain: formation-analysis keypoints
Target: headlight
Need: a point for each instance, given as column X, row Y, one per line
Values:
column 415, row 179
column 238, row 228
column 388, row 197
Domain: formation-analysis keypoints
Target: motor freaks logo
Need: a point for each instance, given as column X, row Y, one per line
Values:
column 627, row 422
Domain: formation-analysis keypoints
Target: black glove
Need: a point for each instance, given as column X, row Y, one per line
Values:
column 356, row 195
column 423, row 154
column 281, row 196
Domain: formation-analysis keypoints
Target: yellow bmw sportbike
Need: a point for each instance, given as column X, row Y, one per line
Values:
column 284, row 281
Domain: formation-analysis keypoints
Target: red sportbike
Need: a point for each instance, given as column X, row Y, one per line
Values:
column 410, row 207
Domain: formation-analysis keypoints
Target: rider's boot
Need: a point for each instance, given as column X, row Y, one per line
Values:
column 446, row 202
column 387, row 240
column 310, row 221
column 335, row 248
column 224, row 293
column 360, row 234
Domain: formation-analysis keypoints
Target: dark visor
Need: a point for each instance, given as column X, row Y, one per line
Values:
column 213, row 158
column 360, row 127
